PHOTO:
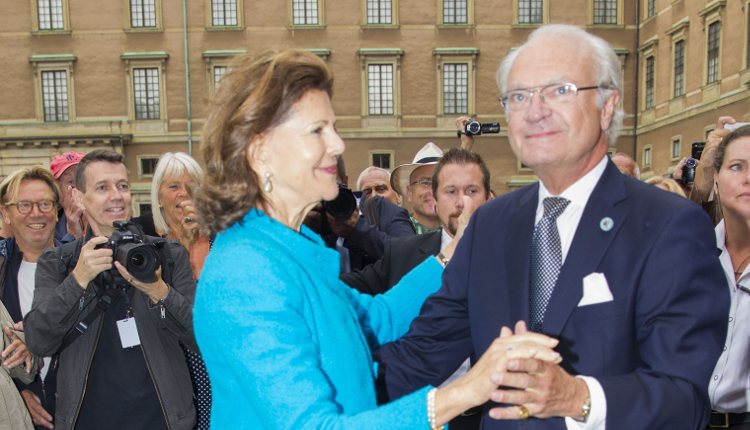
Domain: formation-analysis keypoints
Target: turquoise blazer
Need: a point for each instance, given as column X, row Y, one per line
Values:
column 287, row 345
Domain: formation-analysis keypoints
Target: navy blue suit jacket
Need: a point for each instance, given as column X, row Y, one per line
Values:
column 652, row 347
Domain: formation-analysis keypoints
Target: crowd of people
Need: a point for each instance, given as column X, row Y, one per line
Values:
column 261, row 293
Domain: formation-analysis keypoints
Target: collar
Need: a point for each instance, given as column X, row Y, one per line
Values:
column 581, row 190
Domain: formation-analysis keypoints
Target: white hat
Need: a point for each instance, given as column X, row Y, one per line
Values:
column 429, row 154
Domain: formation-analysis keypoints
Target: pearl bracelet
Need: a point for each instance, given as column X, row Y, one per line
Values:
column 431, row 411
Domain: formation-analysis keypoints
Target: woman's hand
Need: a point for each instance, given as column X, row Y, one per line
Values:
column 478, row 385
column 16, row 353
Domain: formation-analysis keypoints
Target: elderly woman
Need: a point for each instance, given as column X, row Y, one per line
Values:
column 175, row 217
column 288, row 345
column 728, row 389
column 172, row 207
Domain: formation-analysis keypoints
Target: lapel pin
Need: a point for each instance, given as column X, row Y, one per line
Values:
column 606, row 224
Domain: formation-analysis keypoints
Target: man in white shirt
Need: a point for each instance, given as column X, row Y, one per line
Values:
column 587, row 256
column 30, row 199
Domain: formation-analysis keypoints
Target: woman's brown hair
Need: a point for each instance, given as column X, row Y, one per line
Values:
column 254, row 96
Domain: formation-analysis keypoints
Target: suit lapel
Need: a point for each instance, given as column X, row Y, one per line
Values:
column 589, row 245
column 520, row 228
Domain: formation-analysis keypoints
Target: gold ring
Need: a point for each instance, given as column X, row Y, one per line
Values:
column 523, row 412
column 187, row 220
column 130, row 281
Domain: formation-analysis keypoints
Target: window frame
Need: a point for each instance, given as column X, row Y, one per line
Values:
column 144, row 157
column 217, row 59
column 647, row 157
column 129, row 18
column 650, row 9
column 648, row 50
column 469, row 15
column 517, row 14
column 146, row 60
column 389, row 152
column 712, row 14
column 618, row 14
column 320, row 11
column 209, row 12
column 649, row 82
column 371, row 56
column 466, row 56
column 365, row 14
column 678, row 141
column 37, row 30
column 47, row 63
column 713, row 70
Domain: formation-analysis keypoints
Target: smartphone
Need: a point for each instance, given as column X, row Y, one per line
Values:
column 697, row 149
column 736, row 125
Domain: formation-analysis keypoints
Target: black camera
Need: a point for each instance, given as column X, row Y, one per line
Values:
column 475, row 128
column 343, row 206
column 132, row 248
column 688, row 169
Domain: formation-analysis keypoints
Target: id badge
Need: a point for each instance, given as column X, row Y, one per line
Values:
column 128, row 333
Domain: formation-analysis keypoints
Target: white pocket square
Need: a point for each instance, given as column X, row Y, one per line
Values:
column 595, row 290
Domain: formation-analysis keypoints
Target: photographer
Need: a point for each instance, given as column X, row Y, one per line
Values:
column 117, row 334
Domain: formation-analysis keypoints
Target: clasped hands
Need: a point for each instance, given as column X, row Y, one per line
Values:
column 522, row 371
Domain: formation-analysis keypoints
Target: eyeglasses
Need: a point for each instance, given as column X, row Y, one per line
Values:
column 25, row 207
column 425, row 182
column 552, row 95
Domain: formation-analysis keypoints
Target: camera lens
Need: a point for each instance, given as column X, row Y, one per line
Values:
column 136, row 260
column 473, row 128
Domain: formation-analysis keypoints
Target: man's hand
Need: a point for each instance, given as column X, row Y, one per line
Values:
column 543, row 387
column 73, row 214
column 39, row 415
column 156, row 291
column 92, row 261
column 343, row 227
column 467, row 142
column 15, row 353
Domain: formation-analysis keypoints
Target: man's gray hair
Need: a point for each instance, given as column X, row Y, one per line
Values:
column 606, row 63
column 373, row 169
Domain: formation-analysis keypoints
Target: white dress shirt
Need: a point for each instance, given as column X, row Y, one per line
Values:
column 567, row 224
column 729, row 388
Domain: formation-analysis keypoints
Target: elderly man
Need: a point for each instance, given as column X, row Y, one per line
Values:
column 375, row 181
column 584, row 256
column 118, row 335
column 414, row 181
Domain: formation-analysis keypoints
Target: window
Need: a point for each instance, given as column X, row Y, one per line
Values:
column 382, row 159
column 51, row 14
column 147, row 164
column 224, row 13
column 143, row 14
column 144, row 208
column 53, row 87
column 676, row 148
column 379, row 12
column 650, row 8
column 605, row 11
column 455, row 88
column 679, row 68
column 530, row 11
column 55, row 95
column 380, row 89
column 712, row 61
column 649, row 90
column 219, row 72
column 146, row 93
column 305, row 12
column 647, row 157
column 380, row 86
column 145, row 84
column 455, row 11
